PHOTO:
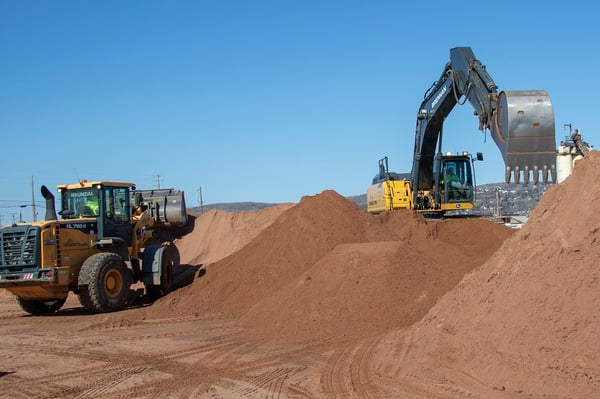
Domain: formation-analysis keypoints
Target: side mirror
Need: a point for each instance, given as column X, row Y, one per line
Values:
column 137, row 199
column 480, row 156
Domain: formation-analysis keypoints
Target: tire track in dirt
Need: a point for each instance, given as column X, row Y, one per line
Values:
column 399, row 380
column 347, row 372
column 333, row 378
column 188, row 358
column 116, row 365
column 299, row 391
column 360, row 367
column 25, row 389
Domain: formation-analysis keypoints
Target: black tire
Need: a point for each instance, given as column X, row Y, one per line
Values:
column 104, row 283
column 170, row 259
column 41, row 306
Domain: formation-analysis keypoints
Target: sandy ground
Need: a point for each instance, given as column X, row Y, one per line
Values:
column 321, row 300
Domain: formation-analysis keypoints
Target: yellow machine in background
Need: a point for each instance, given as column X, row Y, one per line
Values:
column 100, row 246
column 521, row 123
column 389, row 191
column 456, row 191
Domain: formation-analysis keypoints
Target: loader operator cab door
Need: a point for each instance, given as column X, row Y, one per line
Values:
column 115, row 220
column 457, row 180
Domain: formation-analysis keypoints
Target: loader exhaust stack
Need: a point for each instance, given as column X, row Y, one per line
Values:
column 50, row 205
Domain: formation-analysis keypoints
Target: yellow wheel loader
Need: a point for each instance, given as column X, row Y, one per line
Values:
column 101, row 244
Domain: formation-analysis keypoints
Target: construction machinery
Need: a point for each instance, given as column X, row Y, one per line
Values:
column 571, row 149
column 521, row 124
column 102, row 244
column 391, row 190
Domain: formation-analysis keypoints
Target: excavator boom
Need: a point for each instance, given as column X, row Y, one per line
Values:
column 521, row 123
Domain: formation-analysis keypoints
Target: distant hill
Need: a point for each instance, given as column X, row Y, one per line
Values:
column 233, row 207
column 511, row 199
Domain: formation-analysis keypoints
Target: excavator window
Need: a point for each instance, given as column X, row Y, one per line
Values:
column 457, row 181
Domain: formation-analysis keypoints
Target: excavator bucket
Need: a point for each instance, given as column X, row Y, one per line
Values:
column 166, row 206
column 523, row 129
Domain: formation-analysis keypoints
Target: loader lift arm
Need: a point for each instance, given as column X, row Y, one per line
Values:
column 520, row 122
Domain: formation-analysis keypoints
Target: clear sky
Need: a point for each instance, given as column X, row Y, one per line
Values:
column 264, row 101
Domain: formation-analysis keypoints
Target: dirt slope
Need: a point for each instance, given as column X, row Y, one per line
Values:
column 217, row 233
column 526, row 323
column 326, row 267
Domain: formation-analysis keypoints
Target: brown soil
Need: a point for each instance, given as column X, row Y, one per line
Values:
column 320, row 299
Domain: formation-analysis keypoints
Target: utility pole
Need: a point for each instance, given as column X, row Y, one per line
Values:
column 33, row 202
column 157, row 180
column 200, row 200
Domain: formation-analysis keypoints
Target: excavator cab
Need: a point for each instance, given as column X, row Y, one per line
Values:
column 456, row 182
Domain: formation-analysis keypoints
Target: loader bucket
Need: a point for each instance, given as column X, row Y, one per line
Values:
column 166, row 206
column 523, row 129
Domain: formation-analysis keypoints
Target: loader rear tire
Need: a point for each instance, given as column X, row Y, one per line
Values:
column 104, row 283
column 41, row 306
column 170, row 259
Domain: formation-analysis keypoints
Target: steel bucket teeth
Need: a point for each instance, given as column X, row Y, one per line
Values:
column 523, row 129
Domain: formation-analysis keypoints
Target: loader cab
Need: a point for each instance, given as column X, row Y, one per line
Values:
column 107, row 202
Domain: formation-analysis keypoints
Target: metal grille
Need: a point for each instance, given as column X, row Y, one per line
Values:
column 19, row 246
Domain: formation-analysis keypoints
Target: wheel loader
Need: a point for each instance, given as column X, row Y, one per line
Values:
column 102, row 243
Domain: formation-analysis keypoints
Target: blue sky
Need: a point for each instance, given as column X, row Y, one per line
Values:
column 263, row 101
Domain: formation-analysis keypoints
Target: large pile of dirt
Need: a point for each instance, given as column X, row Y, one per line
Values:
column 325, row 267
column 373, row 286
column 527, row 321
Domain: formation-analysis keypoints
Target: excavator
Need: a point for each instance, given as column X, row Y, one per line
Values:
column 521, row 123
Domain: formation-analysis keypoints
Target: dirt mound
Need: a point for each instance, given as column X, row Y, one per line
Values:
column 217, row 233
column 325, row 266
column 526, row 322
column 359, row 289
column 282, row 251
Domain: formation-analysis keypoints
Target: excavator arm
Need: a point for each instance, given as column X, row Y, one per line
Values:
column 521, row 123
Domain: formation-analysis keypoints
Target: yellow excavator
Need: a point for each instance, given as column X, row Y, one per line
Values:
column 521, row 122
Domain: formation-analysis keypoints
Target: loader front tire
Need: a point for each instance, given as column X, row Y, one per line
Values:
column 103, row 283
column 41, row 306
